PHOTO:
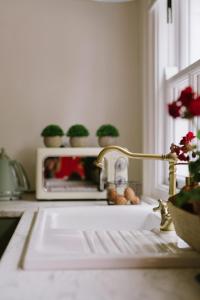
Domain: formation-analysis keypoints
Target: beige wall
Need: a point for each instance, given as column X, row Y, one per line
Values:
column 66, row 62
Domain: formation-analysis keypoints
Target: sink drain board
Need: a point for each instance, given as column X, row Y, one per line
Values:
column 91, row 249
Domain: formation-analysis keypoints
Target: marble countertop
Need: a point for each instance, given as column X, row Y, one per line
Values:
column 16, row 283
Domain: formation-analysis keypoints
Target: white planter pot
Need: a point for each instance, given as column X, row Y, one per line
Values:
column 106, row 141
column 53, row 141
column 77, row 141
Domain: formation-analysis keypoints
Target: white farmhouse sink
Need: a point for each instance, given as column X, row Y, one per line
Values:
column 104, row 237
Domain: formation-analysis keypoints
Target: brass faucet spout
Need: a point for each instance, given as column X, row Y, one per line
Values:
column 167, row 157
column 166, row 221
column 107, row 149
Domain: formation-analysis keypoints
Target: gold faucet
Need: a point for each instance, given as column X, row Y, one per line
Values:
column 166, row 222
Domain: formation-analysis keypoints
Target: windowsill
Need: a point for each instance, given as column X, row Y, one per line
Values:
column 184, row 71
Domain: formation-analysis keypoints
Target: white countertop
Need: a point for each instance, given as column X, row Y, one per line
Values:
column 126, row 284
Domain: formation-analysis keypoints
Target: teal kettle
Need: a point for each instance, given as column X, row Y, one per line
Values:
column 13, row 179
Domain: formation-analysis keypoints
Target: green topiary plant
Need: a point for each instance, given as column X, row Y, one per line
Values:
column 77, row 130
column 107, row 130
column 52, row 130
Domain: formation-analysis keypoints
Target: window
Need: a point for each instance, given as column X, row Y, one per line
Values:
column 194, row 27
column 174, row 63
column 187, row 27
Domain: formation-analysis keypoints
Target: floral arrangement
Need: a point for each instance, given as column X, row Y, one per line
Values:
column 187, row 106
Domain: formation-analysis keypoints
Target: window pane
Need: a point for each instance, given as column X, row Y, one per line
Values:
column 194, row 30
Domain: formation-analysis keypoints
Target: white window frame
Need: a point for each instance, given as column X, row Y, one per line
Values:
column 191, row 75
column 153, row 108
column 158, row 89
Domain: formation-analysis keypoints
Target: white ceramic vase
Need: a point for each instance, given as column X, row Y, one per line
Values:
column 53, row 141
column 78, row 141
column 106, row 141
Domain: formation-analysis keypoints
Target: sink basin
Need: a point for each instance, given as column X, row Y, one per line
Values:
column 7, row 228
column 102, row 237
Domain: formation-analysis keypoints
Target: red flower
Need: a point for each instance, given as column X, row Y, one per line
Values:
column 175, row 149
column 183, row 141
column 183, row 157
column 181, row 151
column 174, row 110
column 190, row 136
column 194, row 107
column 187, row 95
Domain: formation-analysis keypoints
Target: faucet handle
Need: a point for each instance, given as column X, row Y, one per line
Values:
column 166, row 220
column 161, row 205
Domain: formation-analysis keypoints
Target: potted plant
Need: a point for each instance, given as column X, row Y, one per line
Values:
column 52, row 135
column 184, row 207
column 107, row 135
column 78, row 135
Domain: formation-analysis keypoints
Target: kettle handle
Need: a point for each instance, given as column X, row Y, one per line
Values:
column 23, row 178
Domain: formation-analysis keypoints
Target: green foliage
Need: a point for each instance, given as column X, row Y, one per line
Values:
column 194, row 168
column 77, row 130
column 182, row 198
column 185, row 197
column 52, row 130
column 107, row 130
